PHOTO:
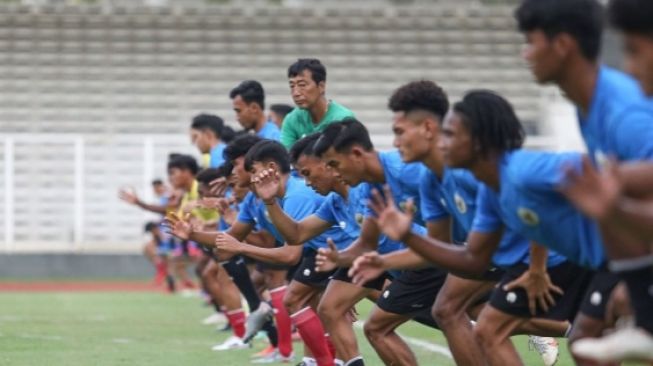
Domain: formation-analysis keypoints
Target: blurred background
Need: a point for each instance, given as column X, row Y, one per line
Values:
column 95, row 94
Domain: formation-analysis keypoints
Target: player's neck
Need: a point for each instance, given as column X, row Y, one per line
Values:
column 374, row 168
column 260, row 123
column 319, row 110
column 487, row 171
column 342, row 189
column 579, row 82
column 434, row 162
column 283, row 181
column 215, row 142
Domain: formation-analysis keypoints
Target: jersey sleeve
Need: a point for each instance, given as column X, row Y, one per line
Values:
column 325, row 211
column 299, row 206
column 634, row 136
column 487, row 219
column 245, row 214
column 430, row 201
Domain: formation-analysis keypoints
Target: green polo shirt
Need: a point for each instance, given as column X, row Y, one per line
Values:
column 299, row 123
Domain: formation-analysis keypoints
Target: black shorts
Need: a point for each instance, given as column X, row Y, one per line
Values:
column 572, row 279
column 413, row 293
column 263, row 266
column 306, row 273
column 494, row 274
column 375, row 284
column 598, row 293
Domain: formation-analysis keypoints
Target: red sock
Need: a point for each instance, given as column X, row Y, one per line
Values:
column 284, row 324
column 312, row 332
column 332, row 348
column 237, row 322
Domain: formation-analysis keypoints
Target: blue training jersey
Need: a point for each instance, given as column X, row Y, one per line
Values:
column 349, row 215
column 216, row 155
column 528, row 203
column 452, row 196
column 299, row 202
column 270, row 131
column 403, row 180
column 619, row 122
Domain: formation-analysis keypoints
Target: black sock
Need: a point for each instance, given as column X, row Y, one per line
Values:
column 640, row 289
column 237, row 269
column 358, row 361
column 271, row 332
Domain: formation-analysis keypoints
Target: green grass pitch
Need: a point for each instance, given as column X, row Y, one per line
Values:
column 150, row 329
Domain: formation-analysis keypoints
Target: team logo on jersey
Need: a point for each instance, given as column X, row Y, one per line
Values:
column 528, row 216
column 359, row 219
column 403, row 205
column 600, row 158
column 267, row 215
column 443, row 202
column 460, row 203
column 342, row 225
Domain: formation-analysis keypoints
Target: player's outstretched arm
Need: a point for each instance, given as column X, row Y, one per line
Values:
column 228, row 246
column 467, row 261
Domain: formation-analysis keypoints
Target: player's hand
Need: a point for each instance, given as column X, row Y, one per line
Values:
column 226, row 243
column 352, row 314
column 393, row 223
column 327, row 258
column 178, row 226
column 539, row 289
column 366, row 268
column 594, row 193
column 266, row 184
column 210, row 203
column 128, row 195
column 218, row 187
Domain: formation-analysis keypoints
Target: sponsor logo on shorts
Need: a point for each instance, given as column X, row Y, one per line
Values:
column 386, row 294
column 596, row 298
column 307, row 272
column 511, row 297
column 528, row 216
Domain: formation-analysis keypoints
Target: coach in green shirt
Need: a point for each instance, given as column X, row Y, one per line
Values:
column 307, row 78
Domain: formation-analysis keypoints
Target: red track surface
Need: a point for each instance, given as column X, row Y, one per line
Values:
column 85, row 286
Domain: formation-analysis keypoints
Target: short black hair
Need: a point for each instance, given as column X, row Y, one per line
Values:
column 251, row 91
column 491, row 121
column 208, row 122
column 150, row 226
column 184, row 162
column 633, row 16
column 268, row 150
column 206, row 176
column 304, row 146
column 420, row 95
column 342, row 135
column 582, row 19
column 157, row 182
column 318, row 71
column 240, row 146
column 228, row 134
column 281, row 109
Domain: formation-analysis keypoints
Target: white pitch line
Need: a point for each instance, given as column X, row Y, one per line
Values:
column 432, row 347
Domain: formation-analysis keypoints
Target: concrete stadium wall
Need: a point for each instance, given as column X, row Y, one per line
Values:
column 73, row 266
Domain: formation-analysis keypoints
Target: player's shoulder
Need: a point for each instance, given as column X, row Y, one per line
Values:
column 529, row 168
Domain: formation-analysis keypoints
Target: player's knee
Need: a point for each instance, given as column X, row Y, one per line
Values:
column 290, row 302
column 372, row 331
column 445, row 310
column 486, row 334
